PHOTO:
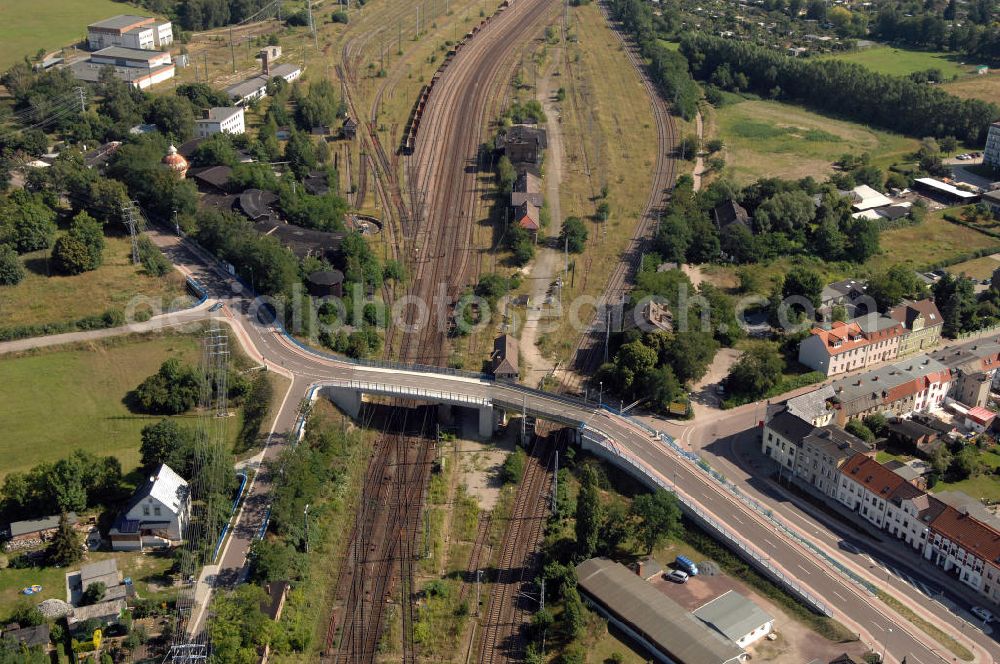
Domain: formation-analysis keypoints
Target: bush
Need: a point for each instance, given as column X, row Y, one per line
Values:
column 11, row 269
column 152, row 259
column 513, row 466
column 173, row 389
column 339, row 17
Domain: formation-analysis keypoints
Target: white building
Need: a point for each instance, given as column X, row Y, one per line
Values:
column 138, row 67
column 221, row 119
column 736, row 617
column 991, row 154
column 130, row 31
column 255, row 87
column 157, row 516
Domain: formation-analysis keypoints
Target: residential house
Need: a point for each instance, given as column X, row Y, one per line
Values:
column 922, row 325
column 730, row 212
column 864, row 197
column 349, row 128
column 107, row 613
column 504, row 358
column 649, row 316
column 255, row 87
column 129, row 31
column 527, row 188
column 524, row 144
column 917, row 384
column 157, row 515
column 913, row 435
column 528, row 216
column 28, row 637
column 847, row 293
column 975, row 369
column 220, row 119
column 812, row 455
column 853, row 345
column 813, row 406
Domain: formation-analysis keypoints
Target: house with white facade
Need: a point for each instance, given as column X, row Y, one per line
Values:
column 157, row 516
column 138, row 67
column 220, row 119
column 848, row 346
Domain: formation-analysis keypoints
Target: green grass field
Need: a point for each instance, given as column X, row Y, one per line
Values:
column 26, row 26
column 63, row 399
column 41, row 298
column 977, row 268
column 900, row 61
column 933, row 241
column 985, row 87
column 769, row 138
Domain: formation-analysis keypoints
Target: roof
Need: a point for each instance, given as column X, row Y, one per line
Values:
column 980, row 414
column 970, row 533
column 992, row 196
column 282, row 70
column 220, row 113
column 840, row 337
column 966, row 504
column 518, row 198
column 29, row 526
column 980, row 356
column 327, row 277
column 216, row 176
column 733, row 615
column 301, row 241
column 169, row 488
column 653, row 615
column 789, row 426
column 944, row 187
column 505, row 354
column 105, row 571
column 928, row 507
column 247, row 87
column 100, row 610
column 909, row 310
column 867, row 198
column 256, row 203
column 852, row 288
column 911, row 430
column 121, row 21
column 128, row 53
column 888, row 383
column 835, row 442
column 528, row 183
column 730, row 212
column 527, row 215
column 29, row 636
column 811, row 405
column 872, row 475
column 522, row 133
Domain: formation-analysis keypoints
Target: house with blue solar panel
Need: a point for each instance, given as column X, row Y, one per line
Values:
column 157, row 516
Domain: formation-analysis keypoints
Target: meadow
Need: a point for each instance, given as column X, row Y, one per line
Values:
column 783, row 140
column 49, row 24
column 901, row 61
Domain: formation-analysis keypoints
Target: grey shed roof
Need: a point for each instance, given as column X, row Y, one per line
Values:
column 659, row 619
column 105, row 571
column 120, row 21
column 811, row 405
column 733, row 615
column 790, row 427
column 21, row 528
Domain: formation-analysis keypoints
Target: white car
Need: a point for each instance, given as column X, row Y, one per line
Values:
column 982, row 614
column 677, row 576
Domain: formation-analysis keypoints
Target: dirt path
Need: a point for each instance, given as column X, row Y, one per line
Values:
column 699, row 162
column 548, row 261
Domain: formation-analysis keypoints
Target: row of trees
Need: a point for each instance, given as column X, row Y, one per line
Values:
column 667, row 68
column 71, row 484
column 894, row 103
column 974, row 37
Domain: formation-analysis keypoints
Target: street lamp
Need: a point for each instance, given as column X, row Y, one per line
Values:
column 305, row 515
column 882, row 657
column 600, row 394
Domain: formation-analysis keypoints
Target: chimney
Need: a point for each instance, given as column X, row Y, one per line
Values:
column 264, row 64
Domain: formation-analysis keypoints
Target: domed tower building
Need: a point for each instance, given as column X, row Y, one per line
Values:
column 176, row 162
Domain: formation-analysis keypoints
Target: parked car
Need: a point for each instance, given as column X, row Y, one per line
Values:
column 215, row 307
column 687, row 565
column 677, row 576
column 983, row 614
column 848, row 547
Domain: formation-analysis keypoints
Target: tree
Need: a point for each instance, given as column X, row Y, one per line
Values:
column 300, row 153
column 94, row 593
column 513, row 466
column 888, row 288
column 70, row 255
column 573, row 235
column 803, row 282
column 272, row 560
column 11, row 268
column 863, row 240
column 27, row 222
column 237, row 627
column 65, row 547
column 506, row 175
column 955, row 298
column 858, row 428
column 172, row 115
column 165, row 442
column 174, row 389
column 659, row 517
column 216, row 150
column 689, row 354
column 674, row 238
column 589, row 514
column 574, row 618
column 785, row 211
column 876, row 423
column 756, row 372
column 965, row 464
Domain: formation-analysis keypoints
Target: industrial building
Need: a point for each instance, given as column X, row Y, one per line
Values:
column 217, row 120
column 129, row 31
column 138, row 67
column 670, row 634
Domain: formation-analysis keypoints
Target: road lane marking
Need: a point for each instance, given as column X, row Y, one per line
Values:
column 770, row 543
column 841, row 597
column 803, row 568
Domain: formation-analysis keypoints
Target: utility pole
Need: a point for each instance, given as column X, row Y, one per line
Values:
column 83, row 103
column 232, row 48
column 555, row 492
column 312, row 25
column 479, row 579
column 305, row 514
column 524, row 419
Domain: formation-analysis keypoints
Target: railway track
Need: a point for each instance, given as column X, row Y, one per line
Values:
column 507, row 615
column 588, row 353
column 446, row 169
column 386, row 526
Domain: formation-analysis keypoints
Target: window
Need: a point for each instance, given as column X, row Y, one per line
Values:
column 145, row 510
column 156, row 510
